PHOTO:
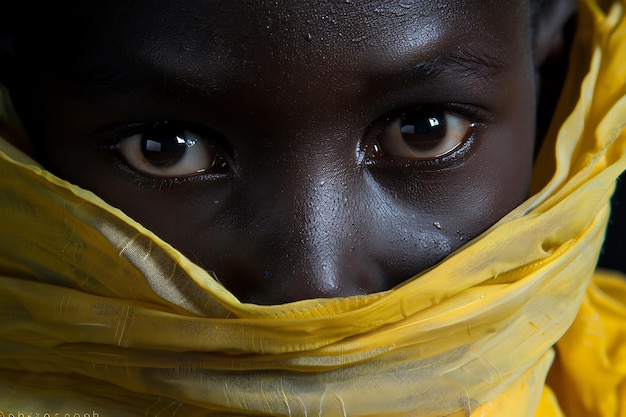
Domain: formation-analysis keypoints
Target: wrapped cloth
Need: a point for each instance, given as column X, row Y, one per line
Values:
column 98, row 315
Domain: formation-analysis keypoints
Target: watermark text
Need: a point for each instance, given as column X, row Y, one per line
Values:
column 24, row 414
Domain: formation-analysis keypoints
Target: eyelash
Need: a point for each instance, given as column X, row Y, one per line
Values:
column 476, row 114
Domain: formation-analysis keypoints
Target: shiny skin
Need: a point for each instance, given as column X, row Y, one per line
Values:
column 293, row 94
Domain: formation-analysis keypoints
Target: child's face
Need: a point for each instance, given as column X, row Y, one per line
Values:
column 328, row 148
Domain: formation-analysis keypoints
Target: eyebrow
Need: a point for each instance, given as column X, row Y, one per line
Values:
column 115, row 79
column 464, row 62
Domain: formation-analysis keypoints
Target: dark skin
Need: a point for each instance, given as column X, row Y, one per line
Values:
column 326, row 150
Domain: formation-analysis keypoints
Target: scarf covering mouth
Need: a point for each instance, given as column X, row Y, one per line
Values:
column 98, row 316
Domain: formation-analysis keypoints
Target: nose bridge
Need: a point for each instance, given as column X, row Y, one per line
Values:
column 307, row 233
column 326, row 228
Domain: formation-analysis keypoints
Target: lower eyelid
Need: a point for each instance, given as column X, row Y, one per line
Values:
column 161, row 184
column 464, row 151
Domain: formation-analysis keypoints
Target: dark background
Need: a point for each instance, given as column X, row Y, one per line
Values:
column 613, row 255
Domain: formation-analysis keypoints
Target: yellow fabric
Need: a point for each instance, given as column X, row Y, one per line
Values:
column 592, row 354
column 97, row 315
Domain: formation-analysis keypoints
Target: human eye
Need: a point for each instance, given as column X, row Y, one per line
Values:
column 169, row 150
column 422, row 134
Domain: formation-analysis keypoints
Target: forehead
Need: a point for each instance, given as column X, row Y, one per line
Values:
column 344, row 22
column 334, row 35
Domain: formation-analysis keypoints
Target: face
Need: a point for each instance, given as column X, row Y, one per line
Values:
column 297, row 150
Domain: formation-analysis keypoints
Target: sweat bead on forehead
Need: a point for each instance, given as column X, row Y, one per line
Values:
column 297, row 149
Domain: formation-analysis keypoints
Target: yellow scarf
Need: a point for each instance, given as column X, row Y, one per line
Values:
column 98, row 316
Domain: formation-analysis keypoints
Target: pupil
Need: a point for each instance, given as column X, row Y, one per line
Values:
column 422, row 132
column 164, row 146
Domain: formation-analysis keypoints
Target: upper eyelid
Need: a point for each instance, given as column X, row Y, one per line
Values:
column 475, row 114
column 110, row 135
